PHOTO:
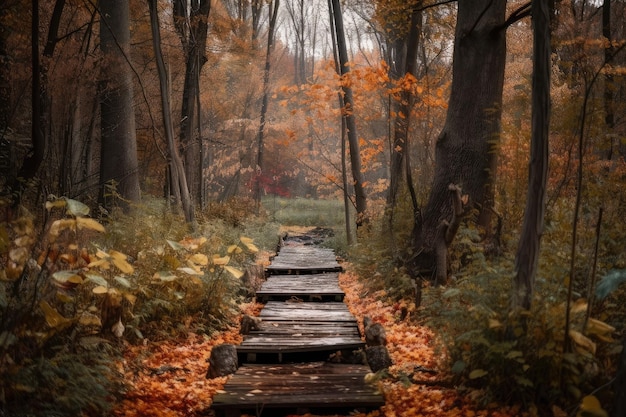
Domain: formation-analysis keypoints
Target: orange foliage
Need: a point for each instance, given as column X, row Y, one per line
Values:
column 168, row 379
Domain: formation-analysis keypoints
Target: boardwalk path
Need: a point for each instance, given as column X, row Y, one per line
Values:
column 304, row 322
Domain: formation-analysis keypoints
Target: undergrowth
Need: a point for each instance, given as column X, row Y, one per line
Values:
column 74, row 290
column 502, row 356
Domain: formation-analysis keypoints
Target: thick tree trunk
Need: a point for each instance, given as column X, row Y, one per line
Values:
column 178, row 178
column 118, row 148
column 532, row 229
column 348, row 114
column 6, row 154
column 465, row 152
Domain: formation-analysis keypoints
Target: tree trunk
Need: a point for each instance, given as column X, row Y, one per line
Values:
column 609, row 107
column 400, row 150
column 118, row 148
column 465, row 153
column 348, row 114
column 344, row 162
column 33, row 160
column 6, row 153
column 528, row 248
column 191, row 21
column 273, row 12
column 178, row 178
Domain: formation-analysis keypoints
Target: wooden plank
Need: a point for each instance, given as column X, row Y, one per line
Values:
column 309, row 287
column 309, row 385
column 301, row 259
column 289, row 344
column 288, row 327
column 299, row 311
column 294, row 327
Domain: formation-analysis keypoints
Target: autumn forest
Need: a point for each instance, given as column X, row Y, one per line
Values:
column 464, row 159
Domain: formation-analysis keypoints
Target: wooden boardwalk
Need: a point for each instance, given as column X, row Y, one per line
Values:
column 284, row 367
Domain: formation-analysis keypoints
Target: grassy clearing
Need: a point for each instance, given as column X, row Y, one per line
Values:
column 303, row 212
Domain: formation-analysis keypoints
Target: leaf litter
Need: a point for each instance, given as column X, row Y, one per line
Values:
column 168, row 379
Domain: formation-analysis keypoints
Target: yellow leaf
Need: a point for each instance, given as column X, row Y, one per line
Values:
column 245, row 240
column 252, row 247
column 90, row 320
column 60, row 203
column 200, row 259
column 223, row 260
column 237, row 273
column 590, row 407
column 119, row 260
column 100, row 289
column 102, row 263
column 579, row 306
column 87, row 223
column 130, row 297
column 599, row 328
column 582, row 341
column 18, row 255
column 190, row 271
column 164, row 276
column 53, row 318
column 117, row 255
column 233, row 248
column 59, row 225
column 477, row 373
column 64, row 298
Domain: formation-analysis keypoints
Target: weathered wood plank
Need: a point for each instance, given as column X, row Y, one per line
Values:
column 300, row 259
column 283, row 327
column 310, row 385
column 298, row 311
column 288, row 327
column 310, row 287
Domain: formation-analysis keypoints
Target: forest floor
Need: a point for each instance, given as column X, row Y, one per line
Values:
column 168, row 378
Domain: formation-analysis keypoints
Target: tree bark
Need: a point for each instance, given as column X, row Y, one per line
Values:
column 528, row 248
column 400, row 157
column 609, row 107
column 33, row 160
column 175, row 163
column 465, row 153
column 191, row 21
column 348, row 114
column 273, row 12
column 118, row 148
column 344, row 162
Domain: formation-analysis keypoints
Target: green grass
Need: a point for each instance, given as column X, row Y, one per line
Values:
column 305, row 212
column 312, row 213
